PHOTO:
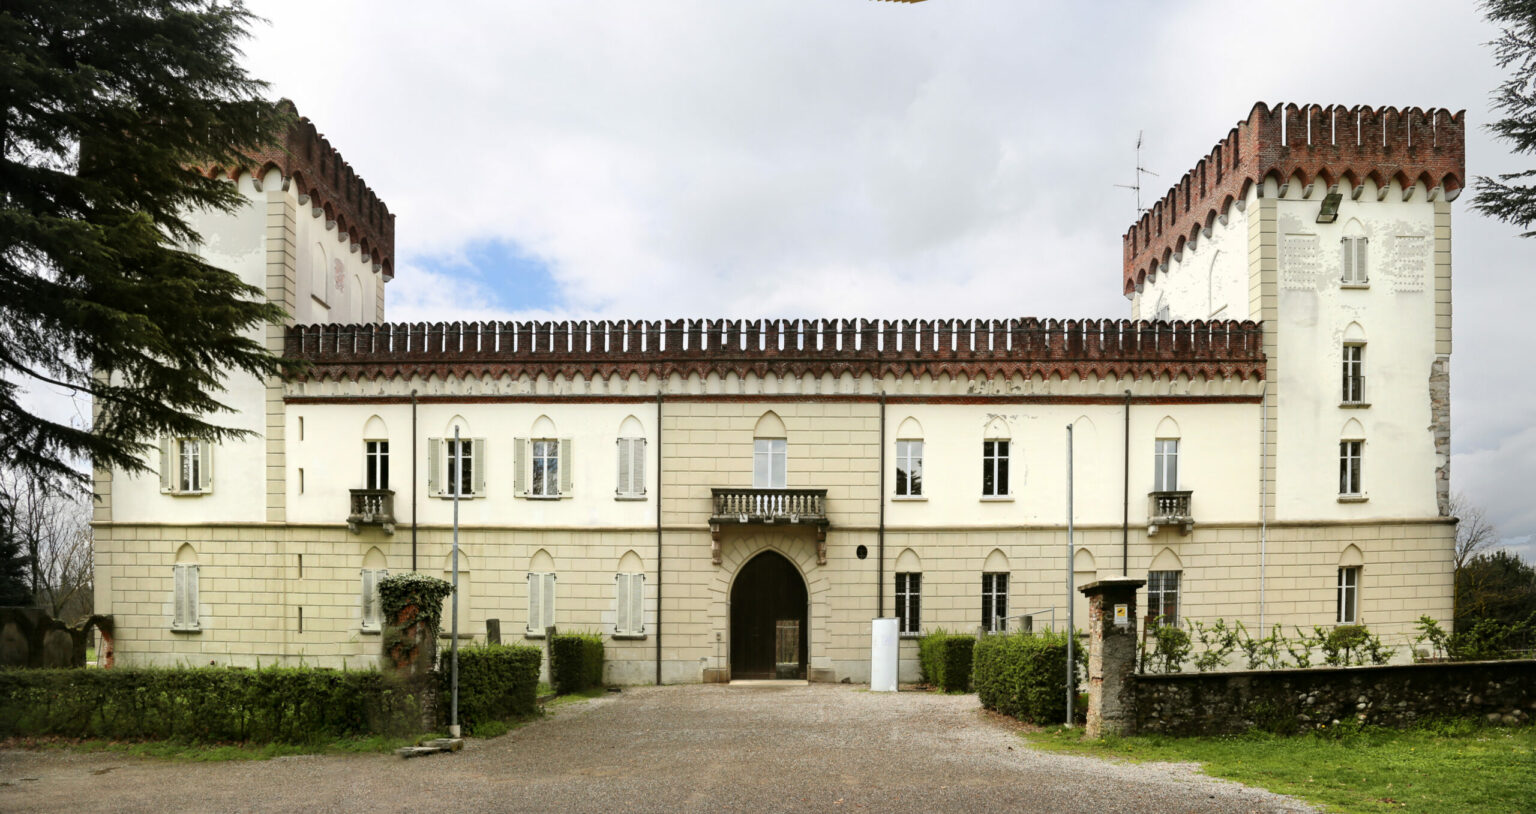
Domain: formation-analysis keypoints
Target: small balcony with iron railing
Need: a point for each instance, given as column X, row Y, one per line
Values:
column 745, row 507
column 372, row 507
column 1169, row 509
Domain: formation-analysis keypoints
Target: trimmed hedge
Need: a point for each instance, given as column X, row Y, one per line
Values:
column 207, row 704
column 575, row 661
column 1023, row 675
column 497, row 682
column 945, row 660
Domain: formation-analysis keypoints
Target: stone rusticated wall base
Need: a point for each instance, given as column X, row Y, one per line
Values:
column 1502, row 692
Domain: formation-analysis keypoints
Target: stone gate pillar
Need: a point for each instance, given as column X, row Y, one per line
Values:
column 1111, row 655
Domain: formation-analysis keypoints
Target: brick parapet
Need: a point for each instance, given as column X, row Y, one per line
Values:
column 975, row 348
column 1316, row 144
column 333, row 189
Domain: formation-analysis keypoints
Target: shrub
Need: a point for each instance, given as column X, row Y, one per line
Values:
column 207, row 704
column 1170, row 647
column 575, row 661
column 945, row 660
column 412, row 605
column 1024, row 675
column 496, row 683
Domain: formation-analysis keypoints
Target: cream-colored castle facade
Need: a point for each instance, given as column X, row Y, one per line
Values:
column 1267, row 441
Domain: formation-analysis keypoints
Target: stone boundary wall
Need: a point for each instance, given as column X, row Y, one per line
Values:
column 1499, row 692
column 1217, row 349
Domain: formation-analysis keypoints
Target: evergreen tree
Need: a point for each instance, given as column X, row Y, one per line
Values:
column 1511, row 197
column 15, row 566
column 1498, row 586
column 107, row 107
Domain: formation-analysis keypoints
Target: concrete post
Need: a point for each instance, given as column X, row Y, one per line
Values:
column 1112, row 655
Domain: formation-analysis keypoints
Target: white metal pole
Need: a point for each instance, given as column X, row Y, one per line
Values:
column 453, row 643
column 1071, row 689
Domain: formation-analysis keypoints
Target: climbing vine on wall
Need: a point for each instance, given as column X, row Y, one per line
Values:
column 413, row 612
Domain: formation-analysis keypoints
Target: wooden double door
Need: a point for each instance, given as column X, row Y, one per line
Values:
column 768, row 620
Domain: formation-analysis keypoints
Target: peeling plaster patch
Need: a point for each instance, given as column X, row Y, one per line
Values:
column 1440, row 425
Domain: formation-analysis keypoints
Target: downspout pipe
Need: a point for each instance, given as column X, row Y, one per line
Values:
column 880, row 535
column 659, row 570
column 1125, row 518
column 413, row 480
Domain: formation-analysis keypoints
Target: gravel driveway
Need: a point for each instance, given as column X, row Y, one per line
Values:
column 690, row 748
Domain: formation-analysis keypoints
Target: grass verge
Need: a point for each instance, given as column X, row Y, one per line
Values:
column 215, row 752
column 1435, row 768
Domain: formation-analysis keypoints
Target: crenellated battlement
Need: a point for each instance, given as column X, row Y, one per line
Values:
column 973, row 347
column 327, row 184
column 1321, row 147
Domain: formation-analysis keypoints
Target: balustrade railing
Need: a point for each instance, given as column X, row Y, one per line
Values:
column 1169, row 509
column 770, row 506
column 372, row 507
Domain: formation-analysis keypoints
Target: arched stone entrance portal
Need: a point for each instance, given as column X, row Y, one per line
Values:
column 769, row 619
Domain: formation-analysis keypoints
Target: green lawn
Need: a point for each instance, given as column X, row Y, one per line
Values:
column 1456, row 767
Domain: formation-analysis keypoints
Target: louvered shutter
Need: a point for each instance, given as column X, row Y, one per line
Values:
column 192, row 598
column 1349, row 260
column 565, row 466
column 477, row 454
column 535, row 602
column 167, row 471
column 624, row 487
column 1360, row 267
column 205, row 466
column 179, row 596
column 637, row 603
column 520, row 466
column 549, row 601
column 637, row 464
column 621, row 620
column 434, row 465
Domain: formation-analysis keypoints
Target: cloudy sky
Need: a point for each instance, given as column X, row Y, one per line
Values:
column 857, row 158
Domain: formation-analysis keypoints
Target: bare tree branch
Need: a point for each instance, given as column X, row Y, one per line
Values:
column 1474, row 534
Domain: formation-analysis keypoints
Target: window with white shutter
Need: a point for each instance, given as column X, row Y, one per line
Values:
column 455, row 465
column 629, row 605
column 186, row 466
column 541, row 603
column 184, row 616
column 372, row 612
column 631, row 482
column 1354, row 261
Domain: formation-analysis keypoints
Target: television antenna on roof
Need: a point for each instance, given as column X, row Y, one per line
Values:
column 1140, row 171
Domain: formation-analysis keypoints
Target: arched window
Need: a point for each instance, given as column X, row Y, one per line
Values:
column 543, row 463
column 1352, row 461
column 374, row 570
column 456, row 467
column 631, row 454
column 909, row 593
column 770, row 453
column 1351, row 563
column 1353, row 353
column 996, row 455
column 994, row 592
column 629, row 596
column 1163, row 587
column 375, row 454
column 1166, row 456
column 541, row 593
column 186, row 614
column 909, row 459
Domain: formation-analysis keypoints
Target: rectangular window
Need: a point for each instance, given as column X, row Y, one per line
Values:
column 1349, row 467
column 1163, row 597
column 541, row 602
column 909, row 603
column 372, row 613
column 994, row 468
column 629, row 605
column 460, row 457
column 377, row 455
column 1354, row 261
column 1354, row 374
column 631, row 468
column 1349, row 596
column 770, row 457
column 994, row 602
column 1166, row 476
column 909, row 468
column 184, row 613
column 186, row 466
column 546, row 468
